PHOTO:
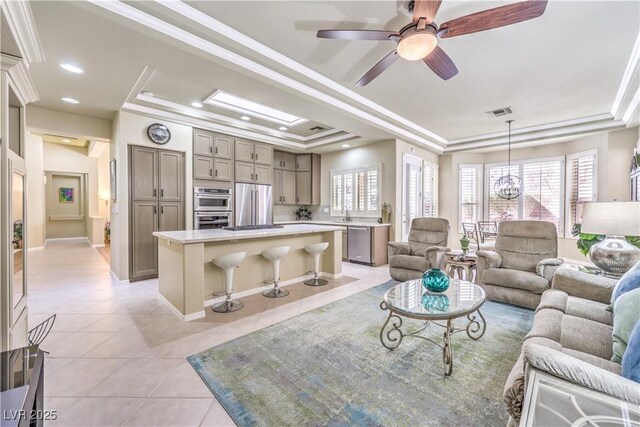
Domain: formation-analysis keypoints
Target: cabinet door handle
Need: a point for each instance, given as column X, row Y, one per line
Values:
column 210, row 149
column 216, row 174
column 251, row 156
column 210, row 172
column 155, row 192
column 297, row 165
column 297, row 199
column 162, row 192
column 155, row 210
column 256, row 156
column 162, row 210
column 216, row 150
column 256, row 177
column 284, row 198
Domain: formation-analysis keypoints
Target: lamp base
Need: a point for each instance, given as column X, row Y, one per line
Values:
column 614, row 255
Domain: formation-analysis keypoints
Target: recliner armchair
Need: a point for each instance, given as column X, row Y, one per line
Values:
column 425, row 250
column 523, row 264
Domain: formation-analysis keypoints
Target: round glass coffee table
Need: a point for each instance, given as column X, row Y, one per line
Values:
column 410, row 299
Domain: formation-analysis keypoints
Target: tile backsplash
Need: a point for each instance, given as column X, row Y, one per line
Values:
column 288, row 213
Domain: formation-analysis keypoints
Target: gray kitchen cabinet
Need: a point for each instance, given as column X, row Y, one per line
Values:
column 222, row 169
column 170, row 176
column 202, row 167
column 244, row 150
column 277, row 186
column 144, row 173
column 284, row 160
column 170, row 217
column 262, row 174
column 243, row 171
column 222, row 146
column 203, row 142
column 288, row 187
column 345, row 244
column 143, row 246
column 156, row 179
column 263, row 154
column 303, row 188
column 303, row 162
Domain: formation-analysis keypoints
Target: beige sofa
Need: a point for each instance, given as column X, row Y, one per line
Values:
column 426, row 249
column 522, row 266
column 571, row 338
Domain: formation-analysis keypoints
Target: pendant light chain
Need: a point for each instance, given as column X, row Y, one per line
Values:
column 509, row 186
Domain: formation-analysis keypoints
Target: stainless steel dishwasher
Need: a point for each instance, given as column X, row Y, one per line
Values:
column 360, row 244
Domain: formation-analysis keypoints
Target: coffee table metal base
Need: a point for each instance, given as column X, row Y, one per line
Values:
column 391, row 334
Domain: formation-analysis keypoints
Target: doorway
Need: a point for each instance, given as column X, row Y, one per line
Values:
column 411, row 192
column 65, row 205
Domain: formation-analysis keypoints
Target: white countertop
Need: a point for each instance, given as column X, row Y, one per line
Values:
column 336, row 223
column 204, row 236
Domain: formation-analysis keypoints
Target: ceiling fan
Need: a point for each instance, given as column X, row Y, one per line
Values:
column 418, row 40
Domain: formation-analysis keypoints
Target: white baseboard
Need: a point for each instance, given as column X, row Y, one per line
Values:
column 260, row 289
column 39, row 248
column 99, row 245
column 176, row 312
column 67, row 239
column 117, row 279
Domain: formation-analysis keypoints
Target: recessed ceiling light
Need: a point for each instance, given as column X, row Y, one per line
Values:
column 146, row 93
column 196, row 104
column 65, row 140
column 345, row 145
column 72, row 68
column 245, row 118
column 283, row 128
column 71, row 100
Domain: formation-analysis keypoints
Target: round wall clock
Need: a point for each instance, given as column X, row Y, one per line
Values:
column 159, row 133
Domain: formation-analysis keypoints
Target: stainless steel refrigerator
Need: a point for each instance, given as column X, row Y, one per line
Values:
column 253, row 204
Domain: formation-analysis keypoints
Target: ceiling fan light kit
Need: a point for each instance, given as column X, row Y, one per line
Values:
column 419, row 39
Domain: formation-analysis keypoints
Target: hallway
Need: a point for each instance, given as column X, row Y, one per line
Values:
column 117, row 355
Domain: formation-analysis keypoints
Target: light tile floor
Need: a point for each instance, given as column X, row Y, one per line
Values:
column 117, row 355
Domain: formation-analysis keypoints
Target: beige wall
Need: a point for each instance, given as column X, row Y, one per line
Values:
column 35, row 194
column 131, row 129
column 614, row 154
column 67, row 124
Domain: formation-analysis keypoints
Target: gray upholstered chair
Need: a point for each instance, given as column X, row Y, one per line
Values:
column 523, row 264
column 426, row 249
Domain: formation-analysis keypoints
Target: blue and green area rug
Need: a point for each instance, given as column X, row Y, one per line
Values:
column 327, row 367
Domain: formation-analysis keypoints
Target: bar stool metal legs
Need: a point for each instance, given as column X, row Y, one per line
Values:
column 316, row 250
column 228, row 263
column 275, row 255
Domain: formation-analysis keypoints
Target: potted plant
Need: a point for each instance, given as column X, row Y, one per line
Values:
column 107, row 231
column 585, row 241
column 17, row 234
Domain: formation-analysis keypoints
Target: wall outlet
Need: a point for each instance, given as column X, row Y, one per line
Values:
column 325, row 210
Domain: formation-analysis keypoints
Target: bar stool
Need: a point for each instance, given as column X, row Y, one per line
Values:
column 316, row 250
column 275, row 255
column 228, row 263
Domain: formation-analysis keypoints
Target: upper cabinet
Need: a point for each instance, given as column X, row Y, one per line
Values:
column 308, row 179
column 254, row 152
column 283, row 160
column 212, row 156
column 303, row 162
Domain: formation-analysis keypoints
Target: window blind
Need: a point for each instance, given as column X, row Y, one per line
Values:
column 429, row 190
column 581, row 184
column 469, row 190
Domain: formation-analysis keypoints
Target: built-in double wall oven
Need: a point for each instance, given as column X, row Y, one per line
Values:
column 212, row 208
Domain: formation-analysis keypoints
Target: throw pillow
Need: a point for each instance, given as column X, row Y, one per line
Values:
column 629, row 281
column 631, row 358
column 625, row 316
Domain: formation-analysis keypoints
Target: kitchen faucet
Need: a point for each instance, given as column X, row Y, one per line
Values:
column 347, row 217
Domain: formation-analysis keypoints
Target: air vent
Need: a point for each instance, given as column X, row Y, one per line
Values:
column 317, row 128
column 499, row 112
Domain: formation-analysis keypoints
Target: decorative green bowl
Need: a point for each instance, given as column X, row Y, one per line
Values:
column 435, row 280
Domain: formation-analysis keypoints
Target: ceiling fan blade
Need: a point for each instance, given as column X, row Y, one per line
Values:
column 441, row 64
column 356, row 34
column 425, row 9
column 493, row 18
column 377, row 69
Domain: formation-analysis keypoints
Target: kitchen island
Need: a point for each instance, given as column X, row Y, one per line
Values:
column 188, row 279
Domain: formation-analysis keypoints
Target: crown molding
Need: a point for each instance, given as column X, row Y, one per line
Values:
column 23, row 28
column 19, row 74
column 632, row 109
column 574, row 127
column 237, row 60
column 627, row 87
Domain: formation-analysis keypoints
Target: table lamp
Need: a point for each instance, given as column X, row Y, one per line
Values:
column 614, row 255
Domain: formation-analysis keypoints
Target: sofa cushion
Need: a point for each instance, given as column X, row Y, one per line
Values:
column 427, row 232
column 524, row 280
column 628, row 282
column 418, row 263
column 579, row 307
column 626, row 313
column 601, row 363
column 523, row 244
column 631, row 358
column 586, row 336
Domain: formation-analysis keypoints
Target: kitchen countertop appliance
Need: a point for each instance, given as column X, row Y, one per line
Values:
column 253, row 205
column 212, row 208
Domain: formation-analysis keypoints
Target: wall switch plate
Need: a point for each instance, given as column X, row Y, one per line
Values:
column 325, row 210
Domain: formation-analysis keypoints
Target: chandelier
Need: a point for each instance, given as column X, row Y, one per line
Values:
column 509, row 186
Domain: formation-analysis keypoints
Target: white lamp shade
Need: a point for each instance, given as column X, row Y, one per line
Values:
column 611, row 218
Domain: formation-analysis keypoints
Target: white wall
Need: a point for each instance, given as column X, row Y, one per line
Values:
column 35, row 194
column 614, row 155
column 67, row 124
column 131, row 129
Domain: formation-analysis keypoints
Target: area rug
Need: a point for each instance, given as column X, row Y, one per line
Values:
column 327, row 367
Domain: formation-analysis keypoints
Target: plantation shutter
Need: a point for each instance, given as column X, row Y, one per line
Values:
column 429, row 190
column 337, row 193
column 356, row 190
column 581, row 184
column 372, row 190
column 543, row 192
column 470, row 193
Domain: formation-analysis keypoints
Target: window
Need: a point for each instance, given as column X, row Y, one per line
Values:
column 581, row 185
column 356, row 190
column 542, row 196
column 470, row 193
column 429, row 189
